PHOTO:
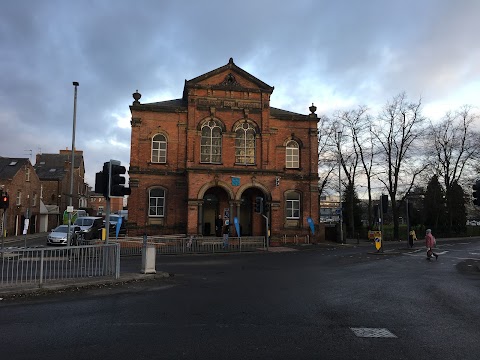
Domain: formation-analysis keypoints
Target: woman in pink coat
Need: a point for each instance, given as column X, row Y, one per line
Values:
column 430, row 243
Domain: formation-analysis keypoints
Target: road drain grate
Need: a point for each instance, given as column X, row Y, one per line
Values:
column 373, row 332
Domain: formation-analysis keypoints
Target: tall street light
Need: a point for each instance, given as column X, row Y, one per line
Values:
column 72, row 167
column 339, row 136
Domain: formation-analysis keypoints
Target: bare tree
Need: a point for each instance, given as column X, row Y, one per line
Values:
column 455, row 145
column 399, row 126
column 353, row 122
column 455, row 149
column 326, row 152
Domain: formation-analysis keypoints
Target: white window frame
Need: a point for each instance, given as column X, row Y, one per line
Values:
column 245, row 144
column 292, row 205
column 211, row 142
column 159, row 149
column 156, row 204
column 292, row 155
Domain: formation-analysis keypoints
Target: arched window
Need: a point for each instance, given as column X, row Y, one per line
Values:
column 292, row 155
column 292, row 205
column 159, row 149
column 156, row 202
column 211, row 143
column 245, row 144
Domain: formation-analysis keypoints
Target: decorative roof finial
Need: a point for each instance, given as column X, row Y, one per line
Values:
column 136, row 95
column 313, row 108
column 230, row 61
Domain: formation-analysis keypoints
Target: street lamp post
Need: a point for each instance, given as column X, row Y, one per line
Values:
column 339, row 135
column 72, row 167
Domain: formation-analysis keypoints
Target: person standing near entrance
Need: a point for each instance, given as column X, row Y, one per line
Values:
column 218, row 226
column 226, row 232
column 430, row 243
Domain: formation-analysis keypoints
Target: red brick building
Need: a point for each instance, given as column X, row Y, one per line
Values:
column 98, row 205
column 53, row 170
column 214, row 151
column 19, row 180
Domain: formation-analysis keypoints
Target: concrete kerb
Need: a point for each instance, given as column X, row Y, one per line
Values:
column 32, row 289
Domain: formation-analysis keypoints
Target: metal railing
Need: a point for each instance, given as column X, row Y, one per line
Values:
column 165, row 245
column 296, row 240
column 41, row 265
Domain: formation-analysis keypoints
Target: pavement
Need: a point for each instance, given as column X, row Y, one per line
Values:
column 128, row 264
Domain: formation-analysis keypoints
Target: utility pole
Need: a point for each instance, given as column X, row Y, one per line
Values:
column 72, row 167
column 339, row 135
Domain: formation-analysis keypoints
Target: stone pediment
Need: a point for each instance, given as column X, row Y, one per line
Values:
column 228, row 77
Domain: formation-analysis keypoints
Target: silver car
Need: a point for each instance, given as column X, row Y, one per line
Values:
column 58, row 236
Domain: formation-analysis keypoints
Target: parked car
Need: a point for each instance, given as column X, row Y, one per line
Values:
column 58, row 236
column 91, row 227
column 114, row 218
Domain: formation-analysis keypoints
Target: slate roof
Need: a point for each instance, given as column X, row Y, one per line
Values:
column 10, row 166
column 52, row 166
column 58, row 160
column 284, row 114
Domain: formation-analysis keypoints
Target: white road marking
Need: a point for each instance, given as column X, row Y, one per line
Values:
column 373, row 332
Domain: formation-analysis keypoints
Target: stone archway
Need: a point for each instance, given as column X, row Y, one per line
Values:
column 251, row 223
column 216, row 202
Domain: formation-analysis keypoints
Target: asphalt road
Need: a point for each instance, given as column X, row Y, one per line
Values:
column 330, row 303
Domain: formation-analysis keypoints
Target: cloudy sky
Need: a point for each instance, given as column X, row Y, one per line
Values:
column 335, row 53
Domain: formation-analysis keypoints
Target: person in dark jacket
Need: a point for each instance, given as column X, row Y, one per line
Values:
column 226, row 232
column 218, row 226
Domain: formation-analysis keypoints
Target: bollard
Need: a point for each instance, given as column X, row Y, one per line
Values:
column 148, row 257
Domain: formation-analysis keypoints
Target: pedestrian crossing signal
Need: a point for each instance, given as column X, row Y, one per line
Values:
column 4, row 201
column 259, row 204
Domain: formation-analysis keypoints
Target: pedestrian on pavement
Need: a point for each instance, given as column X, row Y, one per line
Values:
column 430, row 243
column 226, row 231
column 412, row 237
column 218, row 226
column 190, row 242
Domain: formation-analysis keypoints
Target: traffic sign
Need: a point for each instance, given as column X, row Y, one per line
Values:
column 377, row 237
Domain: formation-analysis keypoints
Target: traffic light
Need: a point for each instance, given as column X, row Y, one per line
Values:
column 4, row 201
column 117, row 181
column 385, row 203
column 259, row 204
column 101, row 183
column 476, row 193
column 277, row 181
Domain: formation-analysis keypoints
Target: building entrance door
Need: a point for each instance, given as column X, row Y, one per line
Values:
column 252, row 223
column 210, row 206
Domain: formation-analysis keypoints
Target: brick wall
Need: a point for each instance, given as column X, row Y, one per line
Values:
column 28, row 190
column 191, row 185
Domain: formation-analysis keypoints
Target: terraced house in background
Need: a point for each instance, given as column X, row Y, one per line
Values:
column 19, row 180
column 217, row 149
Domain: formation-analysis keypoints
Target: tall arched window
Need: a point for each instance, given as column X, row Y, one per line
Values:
column 292, row 152
column 245, row 144
column 292, row 205
column 156, row 202
column 211, row 143
column 159, row 149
